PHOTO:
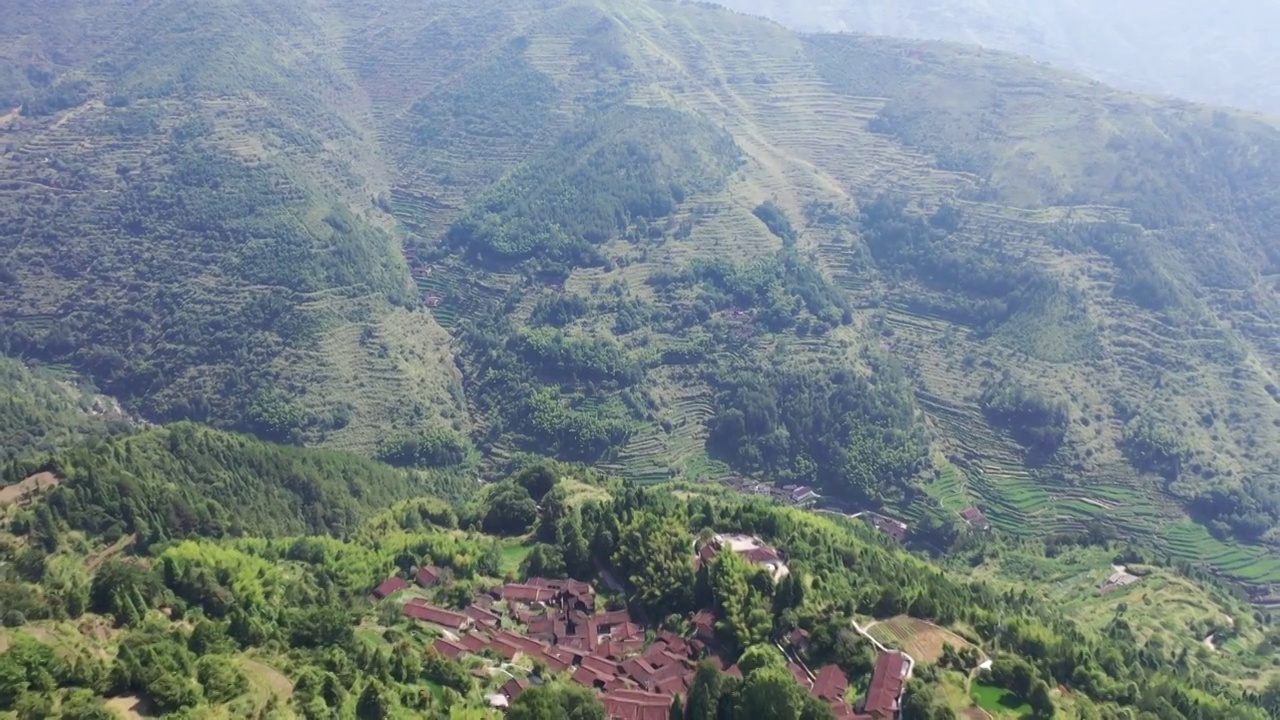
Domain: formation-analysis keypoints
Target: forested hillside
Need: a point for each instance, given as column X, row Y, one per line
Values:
column 41, row 411
column 1188, row 49
column 661, row 238
column 234, row 617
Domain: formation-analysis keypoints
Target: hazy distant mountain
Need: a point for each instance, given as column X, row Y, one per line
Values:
column 1209, row 52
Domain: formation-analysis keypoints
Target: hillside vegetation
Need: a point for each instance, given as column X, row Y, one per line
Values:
column 1188, row 49
column 268, row 623
column 41, row 411
column 665, row 239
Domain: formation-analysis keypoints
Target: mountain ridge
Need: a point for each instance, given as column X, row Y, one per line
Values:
column 1188, row 50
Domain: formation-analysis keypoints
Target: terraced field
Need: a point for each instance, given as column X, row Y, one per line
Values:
column 921, row 640
column 371, row 128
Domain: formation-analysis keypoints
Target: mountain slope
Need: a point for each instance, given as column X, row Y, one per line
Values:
column 1193, row 50
column 668, row 239
column 187, row 218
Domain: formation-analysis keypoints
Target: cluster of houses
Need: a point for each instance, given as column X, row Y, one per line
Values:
column 798, row 495
column 557, row 624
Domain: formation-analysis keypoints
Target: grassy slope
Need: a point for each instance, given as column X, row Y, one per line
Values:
column 1173, row 614
column 1029, row 156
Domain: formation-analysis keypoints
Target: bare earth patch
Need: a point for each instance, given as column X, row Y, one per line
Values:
column 40, row 482
column 129, row 707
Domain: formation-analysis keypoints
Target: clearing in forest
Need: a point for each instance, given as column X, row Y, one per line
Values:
column 34, row 484
column 920, row 639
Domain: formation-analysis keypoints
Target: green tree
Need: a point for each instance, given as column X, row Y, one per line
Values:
column 544, row 561
column 171, row 692
column 376, row 702
column 538, row 479
column 656, row 555
column 511, row 510
column 556, row 701
column 221, row 678
column 769, row 693
column 759, row 656
column 1041, row 701
column 704, row 692
column 34, row 706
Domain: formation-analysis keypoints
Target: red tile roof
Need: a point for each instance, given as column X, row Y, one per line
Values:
column 831, row 683
column 599, row 665
column 613, row 617
column 524, row 644
column 541, row 626
column 674, row 642
column 504, row 647
column 434, row 615
column 707, row 553
column 639, row 670
column 633, row 705
column 514, row 687
column 626, row 631
column 482, row 616
column 448, row 648
column 760, row 555
column 583, row 676
column 619, row 649
column 886, row 685
column 975, row 517
column 799, row 674
column 555, row 660
column 526, row 593
column 474, row 643
column 671, row 686
column 389, row 587
column 427, row 576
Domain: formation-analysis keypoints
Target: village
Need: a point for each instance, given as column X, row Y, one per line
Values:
column 560, row 629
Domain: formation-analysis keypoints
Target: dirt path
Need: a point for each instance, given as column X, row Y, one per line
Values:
column 95, row 561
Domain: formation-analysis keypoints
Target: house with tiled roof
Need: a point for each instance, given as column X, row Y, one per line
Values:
column 419, row 610
column 389, row 587
column 884, row 697
column 427, row 576
column 448, row 648
column 831, row 683
column 801, row 676
column 474, row 643
column 636, row 705
column 514, row 687
column 527, row 594
column 482, row 617
column 974, row 517
column 557, row 661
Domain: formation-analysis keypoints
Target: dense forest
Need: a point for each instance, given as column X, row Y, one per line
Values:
column 189, row 481
column 853, row 437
